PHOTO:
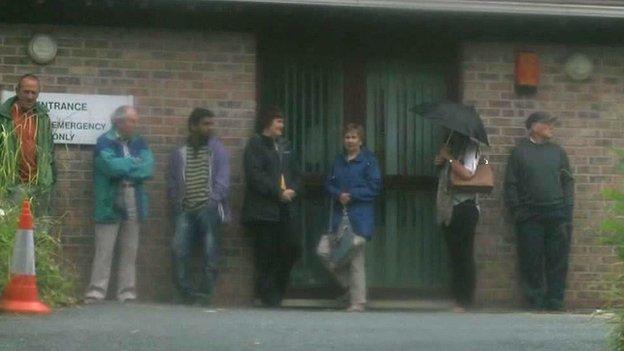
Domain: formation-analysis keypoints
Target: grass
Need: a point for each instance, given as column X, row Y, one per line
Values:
column 613, row 225
column 55, row 277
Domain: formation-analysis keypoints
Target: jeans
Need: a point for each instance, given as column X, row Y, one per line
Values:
column 192, row 227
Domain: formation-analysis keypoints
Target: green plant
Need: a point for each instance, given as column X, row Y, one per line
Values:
column 614, row 226
column 55, row 277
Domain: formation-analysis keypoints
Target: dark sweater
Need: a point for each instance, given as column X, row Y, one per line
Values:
column 538, row 179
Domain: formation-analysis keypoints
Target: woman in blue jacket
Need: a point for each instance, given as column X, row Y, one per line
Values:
column 354, row 183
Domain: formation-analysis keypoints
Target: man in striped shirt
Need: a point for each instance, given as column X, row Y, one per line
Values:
column 198, row 182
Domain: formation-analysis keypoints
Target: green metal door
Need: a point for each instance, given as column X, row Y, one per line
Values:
column 406, row 254
column 309, row 92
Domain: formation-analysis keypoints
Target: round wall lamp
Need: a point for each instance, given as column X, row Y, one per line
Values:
column 42, row 49
column 579, row 67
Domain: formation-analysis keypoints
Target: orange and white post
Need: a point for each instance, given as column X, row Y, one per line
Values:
column 21, row 294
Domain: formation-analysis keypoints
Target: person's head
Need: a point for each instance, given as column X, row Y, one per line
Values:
column 540, row 125
column 353, row 137
column 457, row 143
column 27, row 91
column 270, row 122
column 201, row 122
column 125, row 119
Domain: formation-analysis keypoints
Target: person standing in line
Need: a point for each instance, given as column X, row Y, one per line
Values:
column 123, row 162
column 539, row 193
column 198, row 181
column 272, row 181
column 353, row 184
column 458, row 214
column 26, row 137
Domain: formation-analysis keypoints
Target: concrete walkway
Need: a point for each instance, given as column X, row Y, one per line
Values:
column 112, row 326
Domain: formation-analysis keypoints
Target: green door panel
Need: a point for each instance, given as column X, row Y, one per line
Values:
column 408, row 251
column 309, row 92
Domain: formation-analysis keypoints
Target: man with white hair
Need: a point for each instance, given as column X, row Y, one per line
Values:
column 122, row 162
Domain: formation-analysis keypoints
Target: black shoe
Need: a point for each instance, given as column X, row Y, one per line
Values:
column 553, row 305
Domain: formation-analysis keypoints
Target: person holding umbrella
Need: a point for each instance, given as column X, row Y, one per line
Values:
column 458, row 213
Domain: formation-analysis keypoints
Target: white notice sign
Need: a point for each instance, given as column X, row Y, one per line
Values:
column 76, row 118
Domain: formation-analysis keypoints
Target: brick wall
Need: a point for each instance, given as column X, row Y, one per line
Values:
column 592, row 123
column 169, row 73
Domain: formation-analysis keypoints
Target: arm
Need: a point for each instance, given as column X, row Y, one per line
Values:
column 372, row 187
column 144, row 166
column 257, row 178
column 221, row 173
column 111, row 165
column 463, row 171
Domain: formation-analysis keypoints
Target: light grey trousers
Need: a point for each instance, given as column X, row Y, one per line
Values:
column 353, row 276
column 105, row 238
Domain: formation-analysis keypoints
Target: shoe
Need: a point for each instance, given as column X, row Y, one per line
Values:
column 553, row 305
column 356, row 307
column 459, row 309
column 131, row 300
column 343, row 300
column 91, row 301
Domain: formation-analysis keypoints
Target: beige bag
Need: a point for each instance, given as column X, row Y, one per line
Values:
column 481, row 182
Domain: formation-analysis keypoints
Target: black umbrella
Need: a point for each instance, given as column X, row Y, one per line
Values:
column 456, row 117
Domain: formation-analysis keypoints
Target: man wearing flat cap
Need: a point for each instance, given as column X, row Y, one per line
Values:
column 539, row 193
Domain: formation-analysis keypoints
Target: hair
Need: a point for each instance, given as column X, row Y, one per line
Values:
column 266, row 117
column 355, row 128
column 458, row 144
column 120, row 113
column 197, row 115
column 27, row 76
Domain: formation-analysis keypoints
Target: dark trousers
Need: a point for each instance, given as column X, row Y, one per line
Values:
column 277, row 250
column 459, row 235
column 543, row 249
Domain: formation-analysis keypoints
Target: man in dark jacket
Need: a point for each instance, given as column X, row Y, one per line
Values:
column 271, row 187
column 539, row 192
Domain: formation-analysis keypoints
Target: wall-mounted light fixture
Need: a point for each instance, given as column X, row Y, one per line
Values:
column 42, row 49
column 578, row 67
column 527, row 72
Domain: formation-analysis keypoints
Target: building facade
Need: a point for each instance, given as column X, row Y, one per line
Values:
column 325, row 65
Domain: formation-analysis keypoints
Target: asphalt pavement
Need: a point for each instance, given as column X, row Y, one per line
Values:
column 112, row 326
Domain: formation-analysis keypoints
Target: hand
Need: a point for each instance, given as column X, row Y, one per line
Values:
column 288, row 195
column 438, row 160
column 344, row 198
column 445, row 153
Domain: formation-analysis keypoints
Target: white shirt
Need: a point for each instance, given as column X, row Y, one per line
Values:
column 470, row 161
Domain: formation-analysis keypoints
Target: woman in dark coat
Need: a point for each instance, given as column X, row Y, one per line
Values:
column 354, row 183
column 271, row 189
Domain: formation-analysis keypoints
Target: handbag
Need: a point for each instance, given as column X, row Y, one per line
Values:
column 323, row 249
column 336, row 249
column 481, row 182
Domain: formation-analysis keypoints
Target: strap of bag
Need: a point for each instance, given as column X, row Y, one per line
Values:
column 331, row 214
